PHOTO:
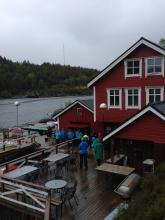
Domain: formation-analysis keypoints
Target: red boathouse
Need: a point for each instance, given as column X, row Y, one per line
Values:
column 78, row 115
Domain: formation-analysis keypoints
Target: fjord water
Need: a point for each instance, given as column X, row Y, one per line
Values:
column 31, row 109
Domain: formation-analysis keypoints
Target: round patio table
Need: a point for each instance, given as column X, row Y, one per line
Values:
column 56, row 184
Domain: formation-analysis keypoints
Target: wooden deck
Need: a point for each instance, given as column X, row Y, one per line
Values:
column 95, row 193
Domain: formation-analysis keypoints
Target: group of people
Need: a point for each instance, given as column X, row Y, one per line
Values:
column 84, row 147
column 62, row 135
column 85, row 143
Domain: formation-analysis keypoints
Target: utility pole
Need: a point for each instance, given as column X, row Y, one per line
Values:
column 63, row 50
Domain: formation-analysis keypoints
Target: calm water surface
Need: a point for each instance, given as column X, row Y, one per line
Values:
column 31, row 109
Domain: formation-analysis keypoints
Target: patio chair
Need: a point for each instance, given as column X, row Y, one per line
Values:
column 70, row 192
column 72, row 187
column 61, row 166
column 73, row 161
column 43, row 167
column 51, row 168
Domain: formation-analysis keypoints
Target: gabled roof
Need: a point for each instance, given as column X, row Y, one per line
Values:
column 158, row 109
column 141, row 41
column 88, row 104
column 160, row 106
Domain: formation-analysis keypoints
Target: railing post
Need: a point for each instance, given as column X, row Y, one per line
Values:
column 47, row 209
column 112, row 149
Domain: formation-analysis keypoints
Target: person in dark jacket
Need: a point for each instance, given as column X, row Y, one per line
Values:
column 83, row 151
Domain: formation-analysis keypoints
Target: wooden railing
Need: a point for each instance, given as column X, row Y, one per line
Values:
column 25, row 197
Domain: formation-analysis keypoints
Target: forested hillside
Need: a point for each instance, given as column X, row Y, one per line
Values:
column 31, row 80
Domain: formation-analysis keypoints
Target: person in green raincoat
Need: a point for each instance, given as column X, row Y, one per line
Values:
column 98, row 150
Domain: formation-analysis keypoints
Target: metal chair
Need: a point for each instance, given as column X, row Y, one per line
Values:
column 70, row 192
column 60, row 167
column 73, row 161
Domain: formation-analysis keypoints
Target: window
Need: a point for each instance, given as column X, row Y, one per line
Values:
column 154, row 95
column 133, row 98
column 114, row 98
column 155, row 66
column 132, row 68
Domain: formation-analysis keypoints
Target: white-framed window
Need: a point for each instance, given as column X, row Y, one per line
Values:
column 114, row 98
column 154, row 66
column 133, row 98
column 154, row 94
column 133, row 67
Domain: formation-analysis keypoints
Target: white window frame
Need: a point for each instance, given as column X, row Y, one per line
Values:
column 156, row 87
column 139, row 98
column 120, row 98
column 154, row 74
column 133, row 75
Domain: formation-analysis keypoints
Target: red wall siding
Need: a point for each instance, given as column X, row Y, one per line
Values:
column 71, row 116
column 115, row 78
column 149, row 127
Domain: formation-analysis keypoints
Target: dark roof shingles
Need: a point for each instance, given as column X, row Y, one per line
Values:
column 160, row 106
column 88, row 103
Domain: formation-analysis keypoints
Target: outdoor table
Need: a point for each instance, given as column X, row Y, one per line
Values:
column 56, row 184
column 21, row 171
column 53, row 158
column 56, row 157
column 115, row 169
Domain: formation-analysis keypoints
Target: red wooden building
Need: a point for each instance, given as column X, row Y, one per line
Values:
column 134, row 80
column 78, row 115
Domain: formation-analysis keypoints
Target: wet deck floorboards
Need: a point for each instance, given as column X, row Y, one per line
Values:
column 95, row 193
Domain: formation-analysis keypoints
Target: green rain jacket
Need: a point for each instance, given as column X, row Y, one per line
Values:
column 98, row 149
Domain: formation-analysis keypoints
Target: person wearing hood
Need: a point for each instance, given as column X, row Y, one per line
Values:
column 98, row 151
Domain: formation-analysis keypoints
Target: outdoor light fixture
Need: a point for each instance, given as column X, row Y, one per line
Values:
column 16, row 103
column 103, row 106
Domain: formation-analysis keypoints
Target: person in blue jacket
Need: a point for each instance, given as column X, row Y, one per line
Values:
column 62, row 135
column 70, row 134
column 83, row 151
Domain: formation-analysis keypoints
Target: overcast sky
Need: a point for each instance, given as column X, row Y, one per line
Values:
column 91, row 33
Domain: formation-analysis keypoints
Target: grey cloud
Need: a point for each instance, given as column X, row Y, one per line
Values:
column 93, row 32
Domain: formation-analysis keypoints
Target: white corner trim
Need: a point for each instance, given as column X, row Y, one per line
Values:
column 134, row 118
column 94, row 99
column 58, row 125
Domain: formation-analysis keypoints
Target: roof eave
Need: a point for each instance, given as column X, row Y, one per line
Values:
column 70, row 106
